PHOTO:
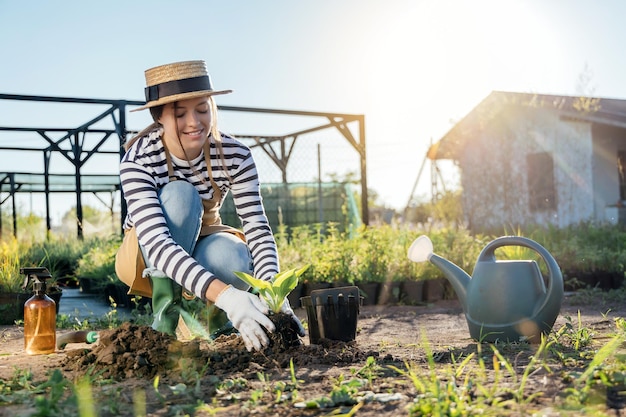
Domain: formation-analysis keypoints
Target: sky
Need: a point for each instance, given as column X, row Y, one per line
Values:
column 412, row 67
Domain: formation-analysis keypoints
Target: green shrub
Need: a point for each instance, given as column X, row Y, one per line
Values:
column 59, row 255
column 369, row 253
column 379, row 253
column 11, row 280
column 97, row 265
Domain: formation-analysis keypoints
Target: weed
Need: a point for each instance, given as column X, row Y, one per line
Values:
column 292, row 372
column 436, row 395
column 139, row 403
column 518, row 392
column 578, row 335
column 294, row 381
column 50, row 400
column 620, row 324
column 84, row 396
column 17, row 389
column 369, row 371
column 155, row 386
column 345, row 392
column 211, row 410
column 350, row 412
column 255, row 397
column 584, row 390
column 280, row 388
column 66, row 321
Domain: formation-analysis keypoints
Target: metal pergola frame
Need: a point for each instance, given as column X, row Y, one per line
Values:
column 77, row 147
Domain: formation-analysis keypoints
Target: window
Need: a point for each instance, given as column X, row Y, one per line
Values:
column 542, row 194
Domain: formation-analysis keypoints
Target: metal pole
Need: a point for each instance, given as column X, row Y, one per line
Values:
column 46, row 170
column 14, row 206
column 79, row 204
column 319, row 185
column 364, row 196
column 122, row 137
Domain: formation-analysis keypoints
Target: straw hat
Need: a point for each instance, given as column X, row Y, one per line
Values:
column 177, row 81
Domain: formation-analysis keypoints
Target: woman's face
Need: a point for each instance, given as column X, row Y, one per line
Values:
column 190, row 120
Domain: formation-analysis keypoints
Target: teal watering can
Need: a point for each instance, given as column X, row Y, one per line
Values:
column 504, row 300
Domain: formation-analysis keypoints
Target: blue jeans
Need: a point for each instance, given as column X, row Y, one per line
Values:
column 220, row 253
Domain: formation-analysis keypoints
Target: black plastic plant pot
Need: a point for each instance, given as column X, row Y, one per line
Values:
column 332, row 313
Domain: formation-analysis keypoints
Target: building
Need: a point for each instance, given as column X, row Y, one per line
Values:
column 535, row 159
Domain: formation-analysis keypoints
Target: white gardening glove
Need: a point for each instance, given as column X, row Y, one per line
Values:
column 247, row 314
column 286, row 308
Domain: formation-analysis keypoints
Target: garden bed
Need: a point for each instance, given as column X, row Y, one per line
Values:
column 399, row 350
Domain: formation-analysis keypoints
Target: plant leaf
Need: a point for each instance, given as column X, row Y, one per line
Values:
column 284, row 284
column 256, row 283
column 274, row 292
column 302, row 270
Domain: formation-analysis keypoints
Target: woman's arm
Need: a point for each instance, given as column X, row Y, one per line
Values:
column 248, row 203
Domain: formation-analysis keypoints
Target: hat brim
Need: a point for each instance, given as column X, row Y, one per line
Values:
column 182, row 96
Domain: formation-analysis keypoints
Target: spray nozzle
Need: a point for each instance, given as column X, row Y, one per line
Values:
column 38, row 275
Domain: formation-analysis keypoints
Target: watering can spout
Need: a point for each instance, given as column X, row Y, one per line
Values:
column 455, row 275
column 421, row 250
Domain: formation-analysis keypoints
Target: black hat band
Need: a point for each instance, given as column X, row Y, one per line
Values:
column 170, row 88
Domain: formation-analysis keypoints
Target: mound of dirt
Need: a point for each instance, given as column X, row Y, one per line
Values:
column 132, row 351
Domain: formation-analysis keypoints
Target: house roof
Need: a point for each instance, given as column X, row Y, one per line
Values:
column 605, row 111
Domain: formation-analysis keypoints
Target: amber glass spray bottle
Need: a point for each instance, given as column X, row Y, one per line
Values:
column 39, row 314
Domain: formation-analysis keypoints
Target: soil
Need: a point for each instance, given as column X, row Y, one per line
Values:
column 232, row 381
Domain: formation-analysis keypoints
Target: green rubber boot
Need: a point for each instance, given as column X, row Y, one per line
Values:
column 166, row 304
column 217, row 322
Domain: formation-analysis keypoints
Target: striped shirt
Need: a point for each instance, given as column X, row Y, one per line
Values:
column 143, row 171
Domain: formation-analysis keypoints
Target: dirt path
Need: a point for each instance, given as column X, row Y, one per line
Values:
column 392, row 334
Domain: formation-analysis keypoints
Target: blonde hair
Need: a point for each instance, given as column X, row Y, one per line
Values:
column 157, row 111
column 215, row 132
column 217, row 136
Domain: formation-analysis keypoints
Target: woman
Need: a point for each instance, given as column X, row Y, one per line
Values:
column 175, row 175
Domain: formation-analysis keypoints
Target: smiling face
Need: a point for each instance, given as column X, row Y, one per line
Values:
column 187, row 120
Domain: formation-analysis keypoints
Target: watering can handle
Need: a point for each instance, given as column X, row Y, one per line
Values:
column 555, row 284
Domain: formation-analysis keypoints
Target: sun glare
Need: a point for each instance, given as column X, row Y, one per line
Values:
column 441, row 60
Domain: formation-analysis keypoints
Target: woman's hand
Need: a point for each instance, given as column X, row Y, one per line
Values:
column 286, row 308
column 247, row 313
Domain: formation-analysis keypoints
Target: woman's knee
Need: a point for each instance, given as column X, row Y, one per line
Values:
column 182, row 209
column 224, row 254
column 243, row 259
column 180, row 197
column 239, row 260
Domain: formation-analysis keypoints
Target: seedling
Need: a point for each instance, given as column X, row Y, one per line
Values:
column 275, row 291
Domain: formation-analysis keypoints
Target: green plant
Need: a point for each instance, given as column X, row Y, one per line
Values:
column 275, row 291
column 368, row 371
column 16, row 390
column 59, row 255
column 578, row 335
column 98, row 264
column 11, row 280
column 345, row 392
column 520, row 383
column 332, row 255
column 52, row 400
